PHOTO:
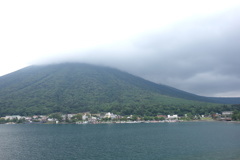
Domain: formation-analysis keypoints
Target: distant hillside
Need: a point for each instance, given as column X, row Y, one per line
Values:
column 76, row 87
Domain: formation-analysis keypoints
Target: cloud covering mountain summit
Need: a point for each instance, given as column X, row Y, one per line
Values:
column 193, row 46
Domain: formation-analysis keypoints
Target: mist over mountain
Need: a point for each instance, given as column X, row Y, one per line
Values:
column 78, row 87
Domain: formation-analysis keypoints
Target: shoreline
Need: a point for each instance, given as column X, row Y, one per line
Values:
column 134, row 122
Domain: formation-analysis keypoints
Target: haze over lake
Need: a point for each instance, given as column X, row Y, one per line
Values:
column 190, row 140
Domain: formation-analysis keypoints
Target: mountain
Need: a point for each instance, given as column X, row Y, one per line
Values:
column 77, row 87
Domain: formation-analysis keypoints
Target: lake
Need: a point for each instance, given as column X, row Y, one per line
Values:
column 151, row 141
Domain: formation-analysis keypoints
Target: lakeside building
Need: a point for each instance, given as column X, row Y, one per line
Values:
column 172, row 116
column 110, row 115
column 87, row 117
column 227, row 113
column 13, row 117
column 84, row 117
column 67, row 116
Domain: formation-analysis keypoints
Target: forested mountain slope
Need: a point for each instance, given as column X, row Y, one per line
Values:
column 76, row 87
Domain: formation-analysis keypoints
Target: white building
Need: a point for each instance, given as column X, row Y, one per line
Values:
column 51, row 119
column 84, row 117
column 110, row 115
column 13, row 117
column 172, row 116
column 69, row 116
column 107, row 115
column 227, row 113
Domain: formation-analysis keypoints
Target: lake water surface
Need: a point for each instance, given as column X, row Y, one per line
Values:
column 160, row 141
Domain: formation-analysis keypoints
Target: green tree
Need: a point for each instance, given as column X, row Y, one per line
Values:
column 106, row 119
column 161, row 118
column 134, row 118
column 77, row 117
column 236, row 116
column 123, row 118
column 22, row 120
column 57, row 116
column 156, row 118
column 2, row 121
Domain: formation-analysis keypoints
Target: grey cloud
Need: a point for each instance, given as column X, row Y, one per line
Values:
column 198, row 55
column 196, row 48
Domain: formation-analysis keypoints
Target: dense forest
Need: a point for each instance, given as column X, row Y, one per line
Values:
column 76, row 87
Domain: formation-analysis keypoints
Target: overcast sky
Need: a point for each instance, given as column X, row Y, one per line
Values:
column 189, row 45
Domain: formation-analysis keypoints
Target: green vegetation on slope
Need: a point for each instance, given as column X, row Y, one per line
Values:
column 75, row 87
